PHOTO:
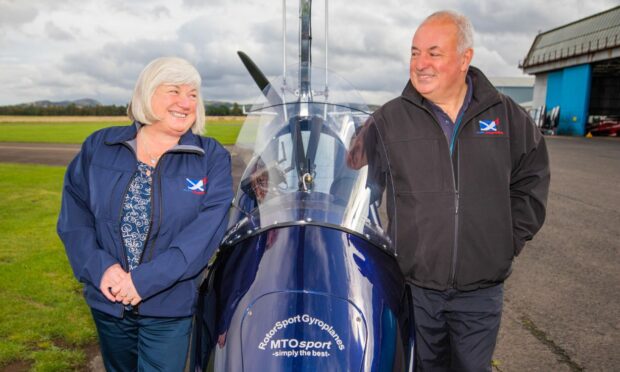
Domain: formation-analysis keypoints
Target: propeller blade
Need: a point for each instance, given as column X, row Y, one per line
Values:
column 255, row 72
column 261, row 80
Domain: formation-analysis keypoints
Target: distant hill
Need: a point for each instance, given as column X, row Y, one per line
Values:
column 83, row 102
column 78, row 107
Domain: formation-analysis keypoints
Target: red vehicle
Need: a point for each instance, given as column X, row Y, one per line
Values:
column 607, row 127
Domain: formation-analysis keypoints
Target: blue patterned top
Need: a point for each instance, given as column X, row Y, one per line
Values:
column 136, row 217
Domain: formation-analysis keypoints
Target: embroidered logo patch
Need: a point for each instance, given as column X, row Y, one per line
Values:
column 196, row 186
column 489, row 127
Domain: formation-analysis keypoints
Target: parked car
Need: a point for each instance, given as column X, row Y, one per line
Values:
column 607, row 127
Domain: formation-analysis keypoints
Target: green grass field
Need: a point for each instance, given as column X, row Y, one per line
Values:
column 45, row 321
column 45, row 324
column 225, row 131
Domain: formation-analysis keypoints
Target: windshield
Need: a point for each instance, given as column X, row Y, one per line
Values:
column 299, row 153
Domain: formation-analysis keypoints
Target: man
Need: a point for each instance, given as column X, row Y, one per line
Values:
column 469, row 184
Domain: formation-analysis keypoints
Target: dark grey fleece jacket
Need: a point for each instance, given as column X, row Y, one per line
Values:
column 460, row 212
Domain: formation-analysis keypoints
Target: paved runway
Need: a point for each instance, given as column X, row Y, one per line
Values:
column 562, row 301
column 37, row 153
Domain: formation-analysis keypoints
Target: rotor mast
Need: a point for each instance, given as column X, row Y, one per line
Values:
column 305, row 49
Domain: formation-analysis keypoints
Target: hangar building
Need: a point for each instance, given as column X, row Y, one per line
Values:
column 577, row 67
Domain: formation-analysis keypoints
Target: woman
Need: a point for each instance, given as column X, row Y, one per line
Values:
column 143, row 210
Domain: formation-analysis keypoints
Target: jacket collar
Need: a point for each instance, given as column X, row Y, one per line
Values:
column 484, row 93
column 189, row 142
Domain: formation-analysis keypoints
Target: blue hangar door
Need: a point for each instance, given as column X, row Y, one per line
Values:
column 569, row 88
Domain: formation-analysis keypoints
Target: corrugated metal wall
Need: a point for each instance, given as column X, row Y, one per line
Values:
column 570, row 89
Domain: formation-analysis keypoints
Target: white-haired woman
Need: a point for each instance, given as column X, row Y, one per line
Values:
column 143, row 209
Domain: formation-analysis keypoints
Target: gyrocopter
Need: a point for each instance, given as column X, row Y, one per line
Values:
column 306, row 278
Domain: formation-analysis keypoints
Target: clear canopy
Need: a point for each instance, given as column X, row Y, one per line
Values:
column 304, row 161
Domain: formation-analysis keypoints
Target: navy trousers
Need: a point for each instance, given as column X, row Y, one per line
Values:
column 139, row 343
column 456, row 330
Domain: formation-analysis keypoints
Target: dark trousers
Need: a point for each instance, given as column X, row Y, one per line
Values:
column 456, row 330
column 139, row 343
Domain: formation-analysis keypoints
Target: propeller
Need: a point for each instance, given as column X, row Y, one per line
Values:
column 255, row 72
column 261, row 80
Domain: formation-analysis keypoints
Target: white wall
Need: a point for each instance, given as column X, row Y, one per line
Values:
column 540, row 90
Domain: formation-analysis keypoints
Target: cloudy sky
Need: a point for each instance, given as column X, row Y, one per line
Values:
column 71, row 49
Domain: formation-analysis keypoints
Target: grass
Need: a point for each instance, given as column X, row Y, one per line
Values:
column 74, row 132
column 45, row 322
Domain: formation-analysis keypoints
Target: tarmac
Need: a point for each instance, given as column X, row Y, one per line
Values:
column 561, row 304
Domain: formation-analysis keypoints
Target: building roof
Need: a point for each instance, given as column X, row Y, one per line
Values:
column 575, row 43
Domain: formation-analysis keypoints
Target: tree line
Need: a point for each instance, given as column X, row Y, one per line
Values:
column 102, row 110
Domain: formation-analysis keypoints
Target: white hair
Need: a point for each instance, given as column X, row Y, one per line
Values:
column 165, row 70
column 465, row 35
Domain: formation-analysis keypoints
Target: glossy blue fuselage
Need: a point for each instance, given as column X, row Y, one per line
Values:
column 306, row 298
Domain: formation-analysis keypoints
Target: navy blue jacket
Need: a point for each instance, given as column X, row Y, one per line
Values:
column 188, row 221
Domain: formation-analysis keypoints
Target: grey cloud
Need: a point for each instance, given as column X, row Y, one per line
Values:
column 201, row 3
column 120, row 63
column 140, row 8
column 16, row 13
column 496, row 17
column 57, row 33
column 217, row 47
column 161, row 11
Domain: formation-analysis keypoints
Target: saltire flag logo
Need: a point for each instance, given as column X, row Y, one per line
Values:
column 196, row 186
column 489, row 127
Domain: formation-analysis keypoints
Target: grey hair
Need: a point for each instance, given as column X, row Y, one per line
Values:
column 165, row 70
column 465, row 36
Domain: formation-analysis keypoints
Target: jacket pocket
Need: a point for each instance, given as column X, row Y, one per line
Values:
column 109, row 239
column 107, row 188
column 425, row 236
column 486, row 241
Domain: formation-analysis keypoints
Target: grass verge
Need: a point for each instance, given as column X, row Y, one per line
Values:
column 45, row 321
column 224, row 130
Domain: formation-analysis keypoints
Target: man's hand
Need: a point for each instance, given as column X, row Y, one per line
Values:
column 126, row 292
column 111, row 277
column 356, row 156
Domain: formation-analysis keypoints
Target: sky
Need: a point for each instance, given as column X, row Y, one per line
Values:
column 73, row 49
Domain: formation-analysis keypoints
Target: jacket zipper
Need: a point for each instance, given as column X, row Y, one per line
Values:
column 120, row 218
column 161, row 198
column 455, row 247
column 451, row 146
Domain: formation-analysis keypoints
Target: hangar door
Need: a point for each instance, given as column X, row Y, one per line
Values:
column 605, row 88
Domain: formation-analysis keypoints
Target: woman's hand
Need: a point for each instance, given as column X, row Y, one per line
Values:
column 126, row 292
column 111, row 277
